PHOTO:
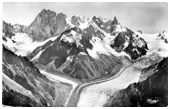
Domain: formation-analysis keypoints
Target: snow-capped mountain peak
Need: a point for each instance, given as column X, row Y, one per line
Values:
column 110, row 32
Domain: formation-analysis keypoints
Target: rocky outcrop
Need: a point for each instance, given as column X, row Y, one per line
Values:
column 77, row 20
column 107, row 25
column 130, row 43
column 20, row 28
column 119, row 42
column 137, row 48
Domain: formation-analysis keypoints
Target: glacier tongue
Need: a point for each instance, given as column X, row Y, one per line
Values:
column 90, row 95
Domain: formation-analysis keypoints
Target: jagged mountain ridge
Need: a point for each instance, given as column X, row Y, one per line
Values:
column 83, row 36
column 72, row 44
column 48, row 24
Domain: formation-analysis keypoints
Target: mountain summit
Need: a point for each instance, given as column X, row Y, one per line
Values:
column 47, row 24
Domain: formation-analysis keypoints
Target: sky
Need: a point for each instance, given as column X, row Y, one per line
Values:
column 149, row 17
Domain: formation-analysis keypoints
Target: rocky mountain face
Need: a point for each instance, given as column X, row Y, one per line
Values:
column 108, row 26
column 130, row 43
column 47, row 24
column 68, row 54
column 23, row 85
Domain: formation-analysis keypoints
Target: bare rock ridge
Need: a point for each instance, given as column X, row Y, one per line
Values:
column 48, row 24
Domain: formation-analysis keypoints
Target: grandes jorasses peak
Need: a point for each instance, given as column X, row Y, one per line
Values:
column 47, row 24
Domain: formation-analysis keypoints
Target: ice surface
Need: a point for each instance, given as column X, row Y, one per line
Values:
column 24, row 44
column 155, row 44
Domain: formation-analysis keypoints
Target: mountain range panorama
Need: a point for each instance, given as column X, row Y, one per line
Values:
column 49, row 24
column 88, row 52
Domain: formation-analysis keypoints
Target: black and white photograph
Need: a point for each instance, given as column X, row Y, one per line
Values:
column 84, row 54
